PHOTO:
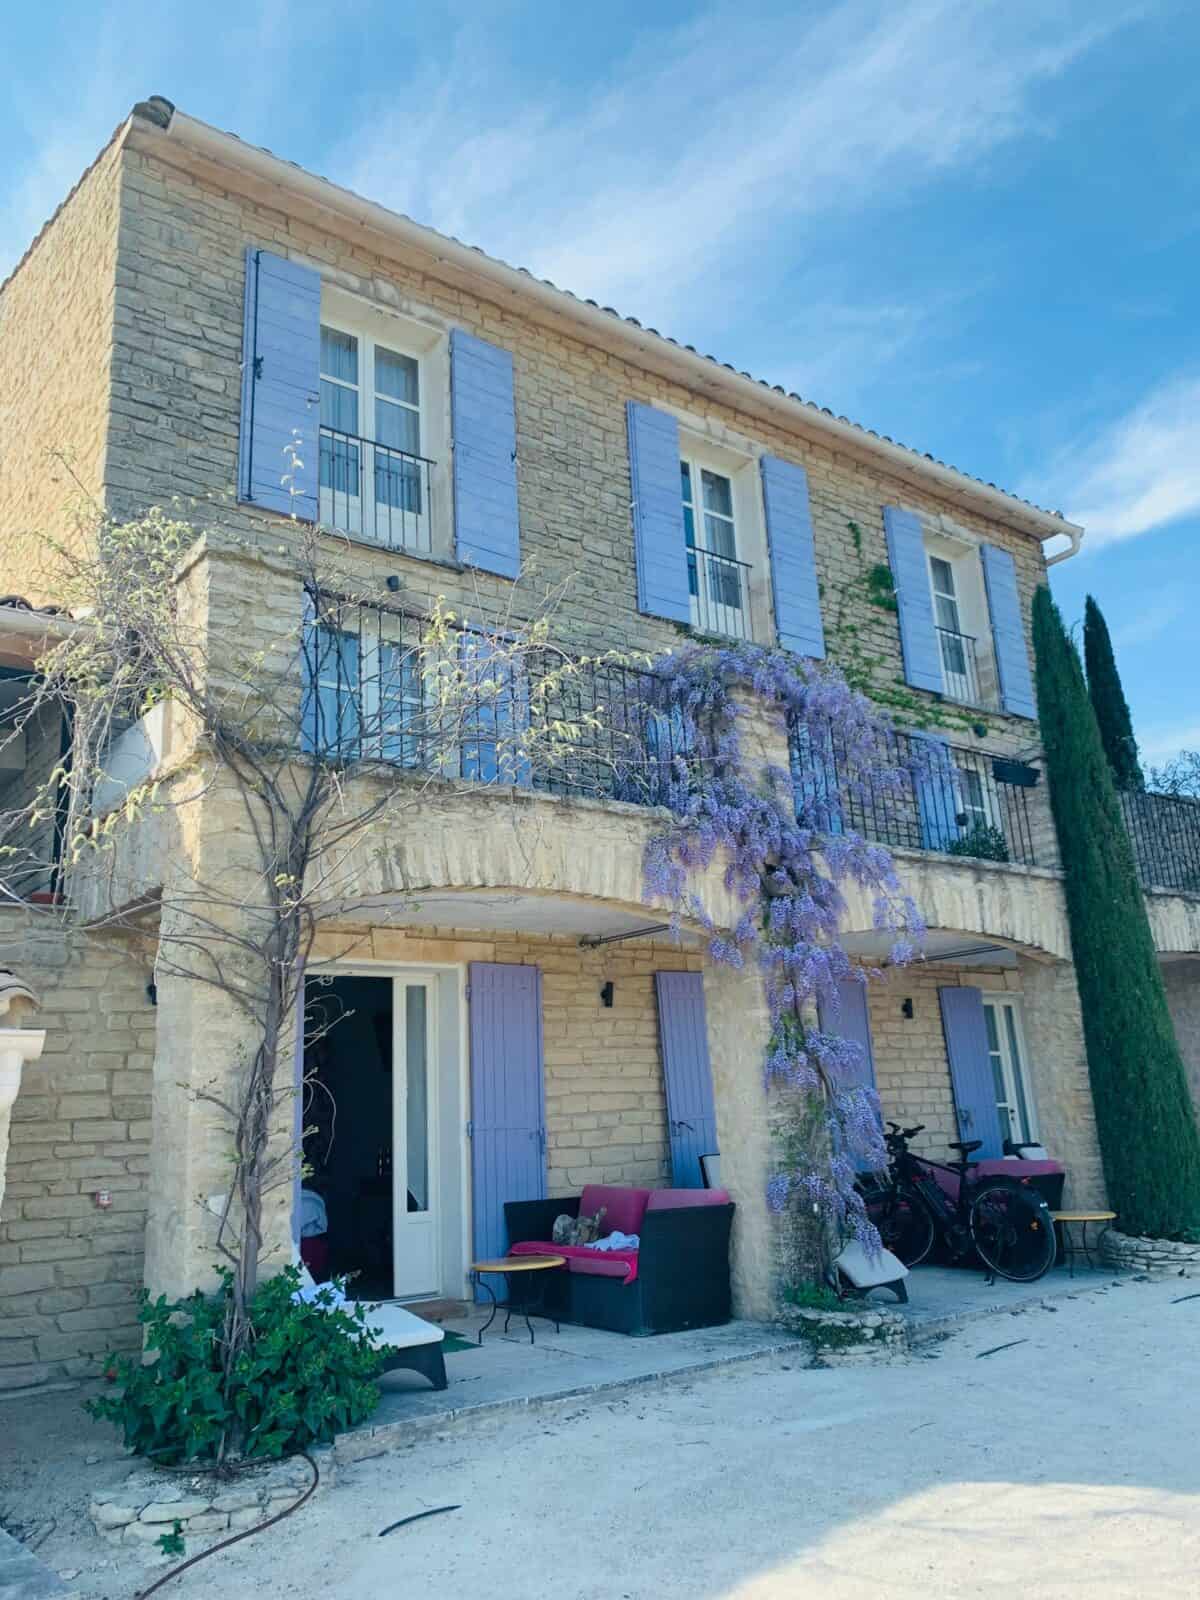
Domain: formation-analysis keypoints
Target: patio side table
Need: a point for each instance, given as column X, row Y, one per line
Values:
column 1064, row 1220
column 534, row 1302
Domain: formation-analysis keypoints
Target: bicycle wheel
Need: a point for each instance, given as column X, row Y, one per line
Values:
column 1012, row 1232
column 905, row 1226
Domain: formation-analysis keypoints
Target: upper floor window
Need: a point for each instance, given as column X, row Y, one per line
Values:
column 717, row 577
column 961, row 621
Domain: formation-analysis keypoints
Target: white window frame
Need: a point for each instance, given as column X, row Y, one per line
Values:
column 708, row 608
column 428, row 533
column 1015, row 1073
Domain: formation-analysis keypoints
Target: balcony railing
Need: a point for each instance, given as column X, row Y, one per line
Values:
column 374, row 691
column 377, row 493
column 720, row 593
column 1164, row 830
column 960, row 667
column 961, row 801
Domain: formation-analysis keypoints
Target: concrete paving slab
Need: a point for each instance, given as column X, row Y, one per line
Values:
column 23, row 1576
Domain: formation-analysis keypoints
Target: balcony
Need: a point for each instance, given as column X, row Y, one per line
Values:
column 374, row 692
column 1164, row 830
column 376, row 493
column 960, row 801
column 719, row 588
column 960, row 669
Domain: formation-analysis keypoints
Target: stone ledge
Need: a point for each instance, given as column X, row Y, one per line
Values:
column 849, row 1338
column 151, row 1501
column 1160, row 1258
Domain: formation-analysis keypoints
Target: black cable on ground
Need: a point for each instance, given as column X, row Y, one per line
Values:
column 417, row 1516
column 246, row 1533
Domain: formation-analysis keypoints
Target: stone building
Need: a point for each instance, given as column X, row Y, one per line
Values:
column 193, row 306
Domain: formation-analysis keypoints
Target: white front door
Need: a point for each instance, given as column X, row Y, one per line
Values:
column 1007, row 1054
column 417, row 1220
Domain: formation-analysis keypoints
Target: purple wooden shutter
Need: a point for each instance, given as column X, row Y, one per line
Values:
column 487, row 532
column 281, row 385
column 508, row 1118
column 793, row 559
column 683, row 1034
column 851, row 1020
column 971, row 1069
column 1008, row 632
column 659, row 542
column 914, row 599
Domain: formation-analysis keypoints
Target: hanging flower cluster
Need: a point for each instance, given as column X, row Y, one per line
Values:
column 788, row 850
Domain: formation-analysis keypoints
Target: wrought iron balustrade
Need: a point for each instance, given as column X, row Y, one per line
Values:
column 375, row 492
column 720, row 593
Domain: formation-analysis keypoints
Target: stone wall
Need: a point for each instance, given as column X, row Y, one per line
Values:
column 1181, row 980
column 70, row 1271
column 56, row 340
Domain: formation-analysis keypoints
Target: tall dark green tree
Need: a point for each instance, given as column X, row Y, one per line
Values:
column 1108, row 700
column 1146, row 1124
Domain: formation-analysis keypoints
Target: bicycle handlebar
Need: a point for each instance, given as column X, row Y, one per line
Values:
column 897, row 1132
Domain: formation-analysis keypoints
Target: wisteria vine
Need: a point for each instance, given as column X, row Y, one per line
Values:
column 788, row 852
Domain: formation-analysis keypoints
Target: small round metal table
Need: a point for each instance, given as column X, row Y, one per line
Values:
column 1063, row 1221
column 510, row 1266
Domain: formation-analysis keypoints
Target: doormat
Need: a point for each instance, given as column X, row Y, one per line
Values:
column 453, row 1342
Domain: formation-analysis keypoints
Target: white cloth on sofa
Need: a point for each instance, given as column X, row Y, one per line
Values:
column 616, row 1241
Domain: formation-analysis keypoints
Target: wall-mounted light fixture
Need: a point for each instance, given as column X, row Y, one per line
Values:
column 906, row 1009
column 393, row 582
column 152, row 992
column 606, row 993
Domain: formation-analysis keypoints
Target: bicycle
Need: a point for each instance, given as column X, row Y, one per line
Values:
column 1003, row 1221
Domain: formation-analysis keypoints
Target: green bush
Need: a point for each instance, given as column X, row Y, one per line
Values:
column 983, row 840
column 305, row 1374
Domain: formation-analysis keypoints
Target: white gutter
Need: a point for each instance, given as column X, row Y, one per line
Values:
column 638, row 344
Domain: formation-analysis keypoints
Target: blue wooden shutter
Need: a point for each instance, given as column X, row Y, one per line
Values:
column 793, row 560
column 281, row 385
column 508, row 1118
column 971, row 1069
column 659, row 544
column 914, row 597
column 487, row 531
column 1008, row 633
column 936, row 785
column 852, row 1021
column 683, row 1035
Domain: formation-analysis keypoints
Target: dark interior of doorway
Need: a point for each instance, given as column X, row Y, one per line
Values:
column 348, row 1138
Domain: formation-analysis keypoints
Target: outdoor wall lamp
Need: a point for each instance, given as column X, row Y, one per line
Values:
column 906, row 1009
column 606, row 993
column 393, row 582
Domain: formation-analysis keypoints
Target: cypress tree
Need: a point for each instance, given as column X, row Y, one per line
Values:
column 1145, row 1121
column 1108, row 700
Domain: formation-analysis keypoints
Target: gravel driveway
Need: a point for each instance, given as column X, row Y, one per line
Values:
column 1066, row 1465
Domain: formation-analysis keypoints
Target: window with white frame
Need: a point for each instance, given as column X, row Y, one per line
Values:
column 961, row 619
column 374, row 477
column 1007, row 1055
column 363, row 695
column 717, row 577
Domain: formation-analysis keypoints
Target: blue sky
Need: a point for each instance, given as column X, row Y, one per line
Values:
column 974, row 227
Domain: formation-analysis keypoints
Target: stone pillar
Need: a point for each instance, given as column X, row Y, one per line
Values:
column 1181, row 980
column 738, row 1029
column 1058, row 1076
column 17, row 1046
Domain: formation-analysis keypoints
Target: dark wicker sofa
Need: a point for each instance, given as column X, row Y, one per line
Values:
column 682, row 1270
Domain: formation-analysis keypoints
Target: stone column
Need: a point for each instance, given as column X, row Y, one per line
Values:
column 738, row 1029
column 17, row 1046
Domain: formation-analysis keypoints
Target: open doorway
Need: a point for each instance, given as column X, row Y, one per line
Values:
column 381, row 1202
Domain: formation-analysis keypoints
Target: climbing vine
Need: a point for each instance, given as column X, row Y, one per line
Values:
column 787, row 858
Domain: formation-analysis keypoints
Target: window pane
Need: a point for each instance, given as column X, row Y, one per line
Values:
column 398, row 427
column 396, row 375
column 989, row 1017
column 1018, row 1072
column 339, row 355
column 718, row 493
column 943, row 575
column 718, row 537
column 947, row 613
column 416, row 1053
column 339, row 468
column 972, row 792
column 685, row 473
column 339, row 407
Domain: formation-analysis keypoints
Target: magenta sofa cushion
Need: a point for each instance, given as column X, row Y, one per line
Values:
column 676, row 1199
column 621, row 1264
column 625, row 1208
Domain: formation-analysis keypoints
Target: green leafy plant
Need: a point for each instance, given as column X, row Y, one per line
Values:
column 881, row 588
column 303, row 1374
column 982, row 840
column 812, row 1297
column 172, row 1544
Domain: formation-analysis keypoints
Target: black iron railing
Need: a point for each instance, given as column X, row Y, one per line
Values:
column 937, row 796
column 960, row 667
column 720, row 592
column 376, row 690
column 1164, row 830
column 378, row 493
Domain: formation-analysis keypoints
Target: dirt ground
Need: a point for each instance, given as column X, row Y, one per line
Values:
column 1065, row 1465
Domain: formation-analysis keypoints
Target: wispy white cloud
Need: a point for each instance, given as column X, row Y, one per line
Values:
column 1162, row 742
column 1140, row 473
column 653, row 192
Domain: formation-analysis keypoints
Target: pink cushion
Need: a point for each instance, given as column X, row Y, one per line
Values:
column 677, row 1199
column 609, row 1263
column 625, row 1207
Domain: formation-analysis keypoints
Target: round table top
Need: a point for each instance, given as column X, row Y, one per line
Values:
column 519, row 1264
column 1083, row 1216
